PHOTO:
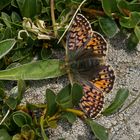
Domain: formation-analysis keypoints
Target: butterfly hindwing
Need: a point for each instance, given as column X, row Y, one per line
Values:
column 92, row 102
column 105, row 79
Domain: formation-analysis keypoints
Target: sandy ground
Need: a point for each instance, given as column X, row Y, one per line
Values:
column 122, row 126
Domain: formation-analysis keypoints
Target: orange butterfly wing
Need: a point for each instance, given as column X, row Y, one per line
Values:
column 92, row 102
column 105, row 79
column 86, row 43
column 79, row 33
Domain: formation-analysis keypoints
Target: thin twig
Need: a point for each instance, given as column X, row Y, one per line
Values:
column 53, row 18
column 97, row 12
column 71, row 20
column 5, row 117
column 93, row 12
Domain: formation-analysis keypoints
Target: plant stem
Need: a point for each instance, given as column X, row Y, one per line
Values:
column 97, row 12
column 93, row 12
column 77, row 112
column 53, row 18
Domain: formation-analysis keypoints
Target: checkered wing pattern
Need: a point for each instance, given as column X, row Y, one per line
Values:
column 90, row 47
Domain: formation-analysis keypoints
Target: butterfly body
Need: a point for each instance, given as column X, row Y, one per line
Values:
column 86, row 52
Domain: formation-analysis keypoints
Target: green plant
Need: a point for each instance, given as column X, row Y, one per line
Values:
column 24, row 38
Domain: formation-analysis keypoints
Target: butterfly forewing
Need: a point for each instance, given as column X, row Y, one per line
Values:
column 80, row 33
column 97, row 44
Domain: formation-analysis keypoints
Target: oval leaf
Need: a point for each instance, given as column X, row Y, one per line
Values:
column 125, row 6
column 15, row 17
column 51, row 104
column 6, row 46
column 2, row 94
column 131, row 21
column 4, row 135
column 21, row 118
column 64, row 98
column 119, row 100
column 26, row 10
column 64, row 93
column 34, row 71
column 11, row 102
column 6, row 19
column 109, row 6
column 99, row 131
column 132, row 41
column 108, row 26
column 77, row 93
column 71, row 117
column 137, row 32
column 4, row 3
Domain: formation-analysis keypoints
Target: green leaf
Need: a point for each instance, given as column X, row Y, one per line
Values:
column 27, row 132
column 119, row 100
column 11, row 102
column 6, row 46
column 108, row 26
column 131, row 21
column 2, row 94
column 109, row 6
column 4, row 3
column 21, row 89
column 15, row 17
column 8, row 33
column 51, row 104
column 6, row 19
column 137, row 32
column 99, row 131
column 69, row 116
column 4, row 135
column 132, row 42
column 46, row 53
column 64, row 98
column 26, row 9
column 60, row 5
column 21, row 118
column 2, row 84
column 5, row 109
column 124, row 6
column 77, row 93
column 34, row 71
column 53, row 123
column 13, row 65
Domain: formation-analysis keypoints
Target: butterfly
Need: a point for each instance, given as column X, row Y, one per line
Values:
column 87, row 52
